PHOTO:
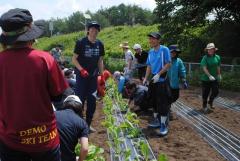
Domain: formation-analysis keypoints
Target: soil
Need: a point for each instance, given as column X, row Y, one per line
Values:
column 182, row 143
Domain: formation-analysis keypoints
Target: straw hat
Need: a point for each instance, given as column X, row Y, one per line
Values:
column 124, row 45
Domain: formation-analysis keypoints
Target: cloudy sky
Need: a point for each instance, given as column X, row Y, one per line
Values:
column 46, row 9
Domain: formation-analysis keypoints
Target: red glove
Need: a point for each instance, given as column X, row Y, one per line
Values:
column 84, row 73
column 102, row 80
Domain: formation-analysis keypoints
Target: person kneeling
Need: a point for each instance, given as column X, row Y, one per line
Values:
column 138, row 94
column 72, row 128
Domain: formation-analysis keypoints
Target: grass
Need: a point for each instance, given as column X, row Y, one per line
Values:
column 111, row 37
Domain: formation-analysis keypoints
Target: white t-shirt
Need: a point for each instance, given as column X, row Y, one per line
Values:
column 129, row 57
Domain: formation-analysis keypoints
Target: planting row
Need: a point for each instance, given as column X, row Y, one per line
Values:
column 126, row 140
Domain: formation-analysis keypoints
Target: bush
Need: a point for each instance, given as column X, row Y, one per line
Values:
column 114, row 65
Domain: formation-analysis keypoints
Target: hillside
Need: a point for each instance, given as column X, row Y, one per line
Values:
column 111, row 38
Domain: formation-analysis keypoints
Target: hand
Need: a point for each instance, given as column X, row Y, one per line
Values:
column 144, row 81
column 84, row 73
column 102, row 80
column 185, row 85
column 156, row 78
column 219, row 77
column 211, row 78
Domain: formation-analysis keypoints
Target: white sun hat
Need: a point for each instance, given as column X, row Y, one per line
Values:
column 210, row 46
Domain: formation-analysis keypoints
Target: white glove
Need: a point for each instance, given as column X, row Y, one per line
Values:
column 144, row 81
column 211, row 78
column 156, row 78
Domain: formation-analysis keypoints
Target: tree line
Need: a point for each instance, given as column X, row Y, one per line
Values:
column 113, row 16
column 189, row 23
column 194, row 23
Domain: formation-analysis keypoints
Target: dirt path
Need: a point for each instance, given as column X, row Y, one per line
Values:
column 182, row 142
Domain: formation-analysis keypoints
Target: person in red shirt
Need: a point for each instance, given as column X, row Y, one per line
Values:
column 101, row 83
column 29, row 80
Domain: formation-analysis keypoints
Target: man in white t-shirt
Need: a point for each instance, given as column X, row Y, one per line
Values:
column 129, row 59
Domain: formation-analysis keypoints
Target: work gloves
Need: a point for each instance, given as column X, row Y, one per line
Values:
column 211, row 78
column 84, row 73
column 185, row 85
column 155, row 78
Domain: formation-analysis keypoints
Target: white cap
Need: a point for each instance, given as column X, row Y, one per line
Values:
column 137, row 46
column 72, row 98
column 116, row 74
column 64, row 70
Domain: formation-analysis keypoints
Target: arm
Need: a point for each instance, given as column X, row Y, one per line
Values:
column 148, row 71
column 218, row 70
column 84, row 148
column 204, row 65
column 219, row 74
column 219, row 65
column 166, row 60
column 165, row 68
column 129, row 101
column 100, row 65
column 130, row 64
column 182, row 71
column 75, row 62
column 205, row 70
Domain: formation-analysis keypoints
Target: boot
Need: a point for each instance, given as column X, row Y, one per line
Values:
column 205, row 108
column 210, row 103
column 163, row 128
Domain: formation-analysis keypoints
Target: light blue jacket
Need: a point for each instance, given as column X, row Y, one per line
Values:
column 121, row 83
column 176, row 71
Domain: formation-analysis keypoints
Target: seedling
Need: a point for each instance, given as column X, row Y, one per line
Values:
column 94, row 153
column 162, row 157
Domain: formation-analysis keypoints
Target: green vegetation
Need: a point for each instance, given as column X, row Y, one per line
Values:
column 112, row 16
column 126, row 129
column 193, row 24
column 94, row 153
column 230, row 80
column 111, row 37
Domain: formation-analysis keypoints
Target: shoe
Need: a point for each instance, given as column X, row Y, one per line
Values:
column 211, row 105
column 155, row 123
column 205, row 110
column 92, row 130
column 163, row 130
column 205, row 107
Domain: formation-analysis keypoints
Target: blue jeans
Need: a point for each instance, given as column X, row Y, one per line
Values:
column 8, row 154
column 85, row 87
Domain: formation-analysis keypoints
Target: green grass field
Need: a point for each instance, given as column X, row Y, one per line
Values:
column 111, row 37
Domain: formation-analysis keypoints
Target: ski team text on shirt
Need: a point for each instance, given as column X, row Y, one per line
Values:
column 37, row 135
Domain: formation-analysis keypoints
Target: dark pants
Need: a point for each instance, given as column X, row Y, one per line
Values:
column 8, row 154
column 161, row 94
column 145, row 102
column 85, row 87
column 141, row 72
column 175, row 95
column 208, row 87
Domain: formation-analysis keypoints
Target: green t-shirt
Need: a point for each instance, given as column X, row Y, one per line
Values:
column 212, row 63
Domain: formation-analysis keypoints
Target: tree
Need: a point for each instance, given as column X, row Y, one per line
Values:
column 75, row 22
column 187, row 23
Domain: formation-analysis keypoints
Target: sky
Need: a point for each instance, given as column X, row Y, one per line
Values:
column 47, row 9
